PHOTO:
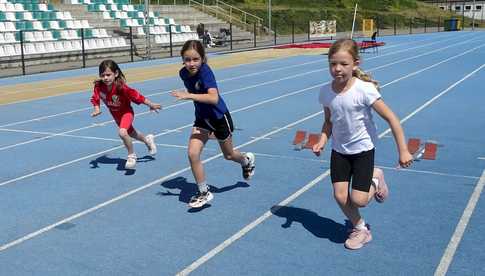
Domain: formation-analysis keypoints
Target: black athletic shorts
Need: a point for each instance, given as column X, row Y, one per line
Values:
column 358, row 167
column 222, row 128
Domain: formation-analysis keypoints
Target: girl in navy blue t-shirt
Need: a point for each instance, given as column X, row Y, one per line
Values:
column 212, row 118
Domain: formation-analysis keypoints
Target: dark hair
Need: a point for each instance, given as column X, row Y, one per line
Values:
column 195, row 45
column 113, row 66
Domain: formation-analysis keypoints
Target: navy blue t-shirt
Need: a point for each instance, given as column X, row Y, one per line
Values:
column 200, row 84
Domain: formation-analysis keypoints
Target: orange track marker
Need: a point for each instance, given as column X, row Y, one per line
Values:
column 313, row 138
column 299, row 137
column 430, row 151
column 413, row 145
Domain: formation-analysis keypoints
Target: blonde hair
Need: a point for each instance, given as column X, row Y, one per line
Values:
column 349, row 45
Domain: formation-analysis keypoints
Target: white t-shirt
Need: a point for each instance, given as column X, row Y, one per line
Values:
column 353, row 130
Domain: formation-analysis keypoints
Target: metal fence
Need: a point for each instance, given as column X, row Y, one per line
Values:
column 224, row 40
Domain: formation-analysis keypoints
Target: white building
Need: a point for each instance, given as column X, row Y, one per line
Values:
column 471, row 9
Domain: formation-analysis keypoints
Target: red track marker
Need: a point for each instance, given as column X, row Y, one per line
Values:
column 313, row 139
column 299, row 137
column 413, row 145
column 430, row 151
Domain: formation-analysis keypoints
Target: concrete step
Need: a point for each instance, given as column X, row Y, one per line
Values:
column 95, row 19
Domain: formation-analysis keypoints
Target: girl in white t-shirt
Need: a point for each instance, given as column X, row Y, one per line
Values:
column 347, row 102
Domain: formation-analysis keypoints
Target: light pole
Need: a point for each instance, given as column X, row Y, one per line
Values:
column 481, row 18
column 473, row 20
column 146, row 28
column 269, row 15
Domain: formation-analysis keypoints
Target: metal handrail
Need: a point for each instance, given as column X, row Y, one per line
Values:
column 244, row 13
column 219, row 12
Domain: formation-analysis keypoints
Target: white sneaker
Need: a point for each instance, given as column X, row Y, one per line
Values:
column 248, row 170
column 200, row 199
column 152, row 147
column 130, row 161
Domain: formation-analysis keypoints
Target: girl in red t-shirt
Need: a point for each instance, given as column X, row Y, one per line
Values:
column 117, row 96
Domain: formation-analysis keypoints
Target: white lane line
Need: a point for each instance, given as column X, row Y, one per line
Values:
column 44, row 138
column 249, row 227
column 240, row 89
column 266, row 215
column 161, row 134
column 443, row 61
column 319, row 160
column 280, row 156
column 88, row 137
column 439, row 95
column 229, row 79
column 260, row 154
column 158, row 93
column 267, row 60
column 430, row 172
column 167, row 132
column 434, row 51
column 447, row 257
column 158, row 181
column 46, row 117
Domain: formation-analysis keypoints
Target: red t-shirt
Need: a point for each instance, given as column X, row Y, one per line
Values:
column 117, row 101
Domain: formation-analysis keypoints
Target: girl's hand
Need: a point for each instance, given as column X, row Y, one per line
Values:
column 405, row 159
column 181, row 95
column 96, row 111
column 317, row 148
column 154, row 107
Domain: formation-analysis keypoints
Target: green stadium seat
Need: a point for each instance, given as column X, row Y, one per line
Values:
column 45, row 15
column 17, row 36
column 37, row 15
column 123, row 23
column 52, row 16
column 56, row 34
column 29, row 26
column 46, row 24
column 19, row 15
column 20, row 25
column 62, row 24
column 132, row 14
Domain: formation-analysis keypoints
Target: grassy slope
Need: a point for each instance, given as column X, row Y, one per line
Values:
column 301, row 11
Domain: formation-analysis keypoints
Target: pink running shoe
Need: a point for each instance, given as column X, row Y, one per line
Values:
column 358, row 238
column 382, row 190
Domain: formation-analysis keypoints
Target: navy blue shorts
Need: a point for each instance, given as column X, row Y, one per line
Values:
column 222, row 128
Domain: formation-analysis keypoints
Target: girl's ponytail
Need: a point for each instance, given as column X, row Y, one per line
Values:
column 360, row 74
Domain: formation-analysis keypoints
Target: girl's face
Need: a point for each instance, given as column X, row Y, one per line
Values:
column 192, row 61
column 108, row 76
column 342, row 65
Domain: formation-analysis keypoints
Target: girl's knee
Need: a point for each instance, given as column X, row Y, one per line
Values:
column 359, row 202
column 341, row 197
column 228, row 156
column 122, row 132
column 378, row 173
column 193, row 156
